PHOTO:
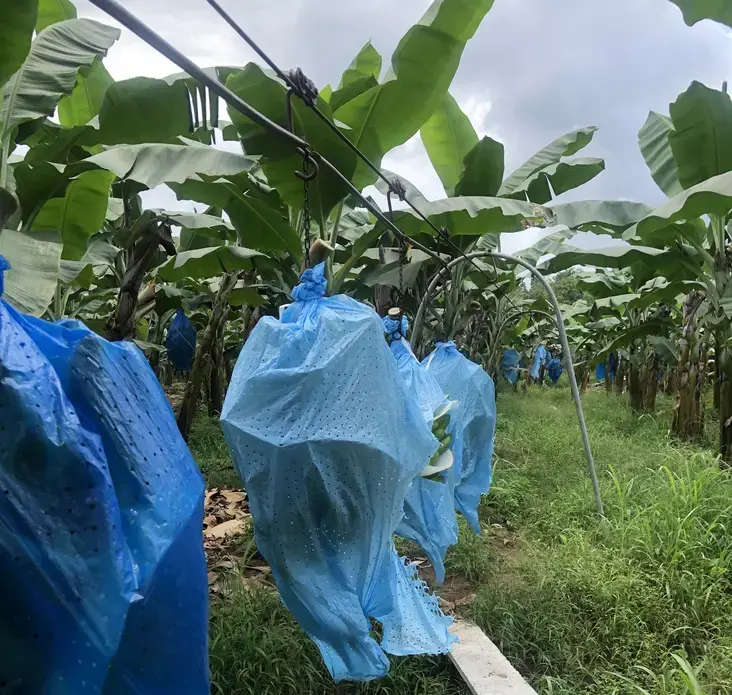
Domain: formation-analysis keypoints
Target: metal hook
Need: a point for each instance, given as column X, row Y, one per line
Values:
column 307, row 160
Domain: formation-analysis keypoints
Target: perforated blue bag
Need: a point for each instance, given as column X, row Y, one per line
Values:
column 181, row 342
column 554, row 369
column 429, row 508
column 510, row 365
column 540, row 359
column 104, row 587
column 328, row 443
column 468, row 383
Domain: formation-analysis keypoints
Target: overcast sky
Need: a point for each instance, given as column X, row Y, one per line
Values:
column 534, row 70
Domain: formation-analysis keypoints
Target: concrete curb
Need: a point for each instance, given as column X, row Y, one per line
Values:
column 482, row 666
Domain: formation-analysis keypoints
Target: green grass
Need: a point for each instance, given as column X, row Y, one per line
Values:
column 619, row 605
column 258, row 649
column 208, row 447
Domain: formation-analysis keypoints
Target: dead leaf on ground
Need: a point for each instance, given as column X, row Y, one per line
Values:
column 465, row 600
column 232, row 527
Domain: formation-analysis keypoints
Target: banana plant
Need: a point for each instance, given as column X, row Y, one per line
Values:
column 692, row 147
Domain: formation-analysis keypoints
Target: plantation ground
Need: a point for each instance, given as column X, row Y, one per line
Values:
column 623, row 606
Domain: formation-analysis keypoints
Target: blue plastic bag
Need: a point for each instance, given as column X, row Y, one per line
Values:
column 540, row 359
column 429, row 508
column 468, row 383
column 104, row 588
column 328, row 443
column 510, row 365
column 554, row 369
column 600, row 371
column 181, row 342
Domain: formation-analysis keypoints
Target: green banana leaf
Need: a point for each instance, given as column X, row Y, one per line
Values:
column 280, row 160
column 701, row 140
column 422, row 69
column 258, row 225
column 85, row 102
column 207, row 263
column 555, row 179
column 620, row 256
column 564, row 146
column 656, row 150
column 367, row 63
column 696, row 10
column 35, row 260
column 473, row 216
column 142, row 110
column 79, row 214
column 713, row 196
column 49, row 72
column 17, row 20
column 54, row 11
column 448, row 136
column 157, row 163
column 483, row 169
column 601, row 216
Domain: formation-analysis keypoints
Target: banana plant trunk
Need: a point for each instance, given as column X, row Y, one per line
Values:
column 635, row 379
column 725, row 401
column 123, row 324
column 608, row 378
column 651, row 384
column 620, row 375
column 687, row 419
column 202, row 361
column 217, row 389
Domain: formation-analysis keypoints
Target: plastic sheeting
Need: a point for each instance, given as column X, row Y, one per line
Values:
column 510, row 365
column 104, row 587
column 468, row 383
column 181, row 342
column 554, row 369
column 540, row 359
column 429, row 508
column 600, row 372
column 328, row 443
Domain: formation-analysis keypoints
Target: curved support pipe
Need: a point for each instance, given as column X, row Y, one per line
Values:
column 446, row 272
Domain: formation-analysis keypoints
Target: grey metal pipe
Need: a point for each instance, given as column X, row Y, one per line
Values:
column 447, row 271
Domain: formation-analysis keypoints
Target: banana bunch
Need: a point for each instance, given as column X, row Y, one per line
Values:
column 442, row 459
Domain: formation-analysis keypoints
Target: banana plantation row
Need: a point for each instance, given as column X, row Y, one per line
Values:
column 78, row 148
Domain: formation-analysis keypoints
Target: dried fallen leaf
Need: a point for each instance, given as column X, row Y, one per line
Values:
column 211, row 578
column 232, row 527
column 233, row 496
column 465, row 600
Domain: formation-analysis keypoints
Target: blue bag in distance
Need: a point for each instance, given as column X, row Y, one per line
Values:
column 429, row 508
column 554, row 369
column 104, row 578
column 467, row 383
column 510, row 365
column 328, row 443
column 600, row 371
column 540, row 358
column 181, row 342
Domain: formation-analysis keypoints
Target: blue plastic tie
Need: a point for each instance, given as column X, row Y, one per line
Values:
column 448, row 346
column 4, row 265
column 312, row 284
column 393, row 329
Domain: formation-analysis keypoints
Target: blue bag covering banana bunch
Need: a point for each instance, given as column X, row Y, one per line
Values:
column 315, row 418
column 429, row 509
column 104, row 587
column 181, row 342
column 469, row 384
